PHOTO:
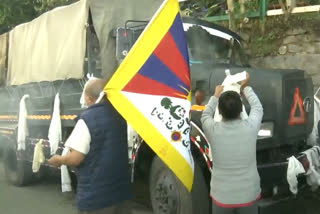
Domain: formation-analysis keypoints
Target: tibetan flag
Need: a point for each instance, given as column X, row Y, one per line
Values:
column 151, row 90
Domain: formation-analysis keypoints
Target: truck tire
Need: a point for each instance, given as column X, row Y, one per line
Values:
column 169, row 196
column 17, row 172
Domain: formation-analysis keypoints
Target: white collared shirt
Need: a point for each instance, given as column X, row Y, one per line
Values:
column 80, row 138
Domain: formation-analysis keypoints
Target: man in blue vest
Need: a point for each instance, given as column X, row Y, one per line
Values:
column 98, row 149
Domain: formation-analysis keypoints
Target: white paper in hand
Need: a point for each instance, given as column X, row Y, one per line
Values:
column 230, row 83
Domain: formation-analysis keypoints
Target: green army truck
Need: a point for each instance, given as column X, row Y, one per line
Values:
column 55, row 52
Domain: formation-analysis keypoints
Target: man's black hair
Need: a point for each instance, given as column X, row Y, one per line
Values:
column 230, row 105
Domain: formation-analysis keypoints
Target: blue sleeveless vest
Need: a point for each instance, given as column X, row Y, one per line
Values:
column 103, row 176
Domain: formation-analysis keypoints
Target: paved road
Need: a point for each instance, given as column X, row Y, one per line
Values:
column 43, row 197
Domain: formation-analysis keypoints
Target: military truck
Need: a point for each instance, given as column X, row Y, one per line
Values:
column 42, row 60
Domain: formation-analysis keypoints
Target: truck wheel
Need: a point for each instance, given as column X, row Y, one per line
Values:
column 169, row 196
column 17, row 172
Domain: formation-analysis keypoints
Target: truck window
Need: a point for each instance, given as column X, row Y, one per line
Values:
column 238, row 56
column 206, row 48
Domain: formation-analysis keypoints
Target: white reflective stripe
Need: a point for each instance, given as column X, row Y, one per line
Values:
column 212, row 31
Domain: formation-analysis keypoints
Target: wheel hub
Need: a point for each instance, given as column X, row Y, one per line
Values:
column 166, row 195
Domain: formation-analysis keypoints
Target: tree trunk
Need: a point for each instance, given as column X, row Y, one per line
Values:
column 232, row 22
column 242, row 6
column 286, row 11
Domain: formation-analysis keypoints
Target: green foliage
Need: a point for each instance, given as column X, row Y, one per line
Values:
column 14, row 12
column 252, row 5
column 308, row 2
column 203, row 8
column 268, row 43
column 46, row 5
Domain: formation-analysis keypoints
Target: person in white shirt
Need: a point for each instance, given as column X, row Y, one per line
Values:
column 99, row 151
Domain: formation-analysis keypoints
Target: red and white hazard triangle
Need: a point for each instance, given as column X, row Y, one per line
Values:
column 297, row 103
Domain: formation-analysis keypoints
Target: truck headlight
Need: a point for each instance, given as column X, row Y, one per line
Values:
column 266, row 130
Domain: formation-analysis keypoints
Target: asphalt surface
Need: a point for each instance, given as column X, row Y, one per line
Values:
column 44, row 196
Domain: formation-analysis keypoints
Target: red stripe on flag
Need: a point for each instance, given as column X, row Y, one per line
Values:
column 143, row 85
column 170, row 55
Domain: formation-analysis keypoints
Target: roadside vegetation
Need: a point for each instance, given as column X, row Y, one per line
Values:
column 261, row 41
column 14, row 12
column 276, row 28
column 262, row 37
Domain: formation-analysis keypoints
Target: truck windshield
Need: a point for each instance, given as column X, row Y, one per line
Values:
column 206, row 48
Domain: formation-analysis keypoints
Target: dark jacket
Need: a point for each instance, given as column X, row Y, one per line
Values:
column 103, row 176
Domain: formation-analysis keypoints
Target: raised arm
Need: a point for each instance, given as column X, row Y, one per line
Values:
column 256, row 112
column 208, row 113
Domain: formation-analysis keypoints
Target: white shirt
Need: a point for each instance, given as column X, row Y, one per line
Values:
column 80, row 138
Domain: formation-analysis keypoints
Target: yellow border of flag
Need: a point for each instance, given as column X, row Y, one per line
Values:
column 138, row 55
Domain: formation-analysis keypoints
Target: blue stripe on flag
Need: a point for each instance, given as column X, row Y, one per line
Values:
column 156, row 70
column 178, row 35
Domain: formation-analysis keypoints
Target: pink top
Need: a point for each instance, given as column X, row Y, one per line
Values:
column 235, row 205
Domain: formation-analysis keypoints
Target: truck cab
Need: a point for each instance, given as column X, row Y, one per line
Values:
column 286, row 96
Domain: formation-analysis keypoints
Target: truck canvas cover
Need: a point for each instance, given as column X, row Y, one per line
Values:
column 51, row 47
column 108, row 15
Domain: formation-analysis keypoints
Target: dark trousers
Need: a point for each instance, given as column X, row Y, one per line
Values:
column 122, row 208
column 253, row 209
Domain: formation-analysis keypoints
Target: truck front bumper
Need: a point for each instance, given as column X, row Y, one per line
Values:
column 277, row 198
column 306, row 202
